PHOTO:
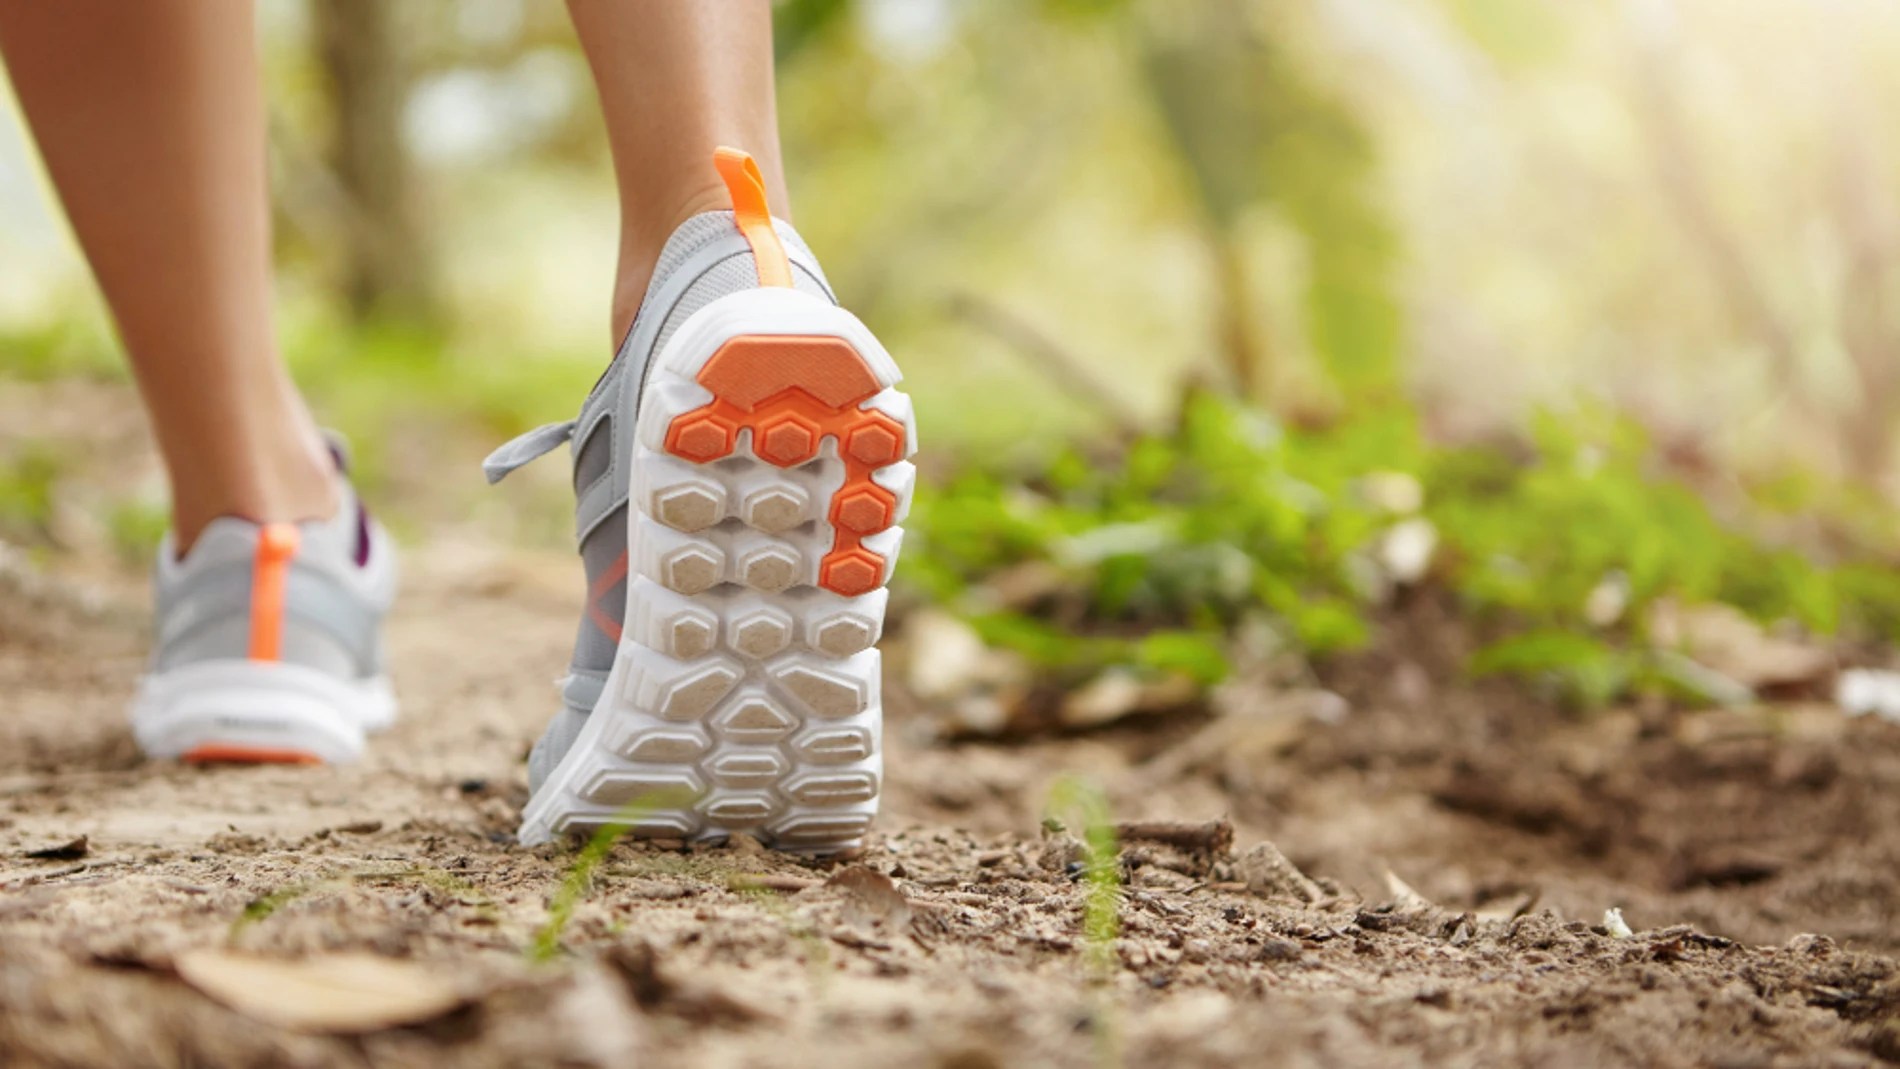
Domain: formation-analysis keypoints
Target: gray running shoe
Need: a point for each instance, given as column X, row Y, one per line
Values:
column 268, row 647
column 736, row 540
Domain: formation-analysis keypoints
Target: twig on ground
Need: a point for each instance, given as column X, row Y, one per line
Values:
column 1266, row 872
column 1403, row 897
column 1209, row 837
column 768, row 881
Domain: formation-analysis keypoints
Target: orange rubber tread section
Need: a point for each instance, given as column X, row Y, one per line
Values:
column 212, row 753
column 753, row 367
column 792, row 391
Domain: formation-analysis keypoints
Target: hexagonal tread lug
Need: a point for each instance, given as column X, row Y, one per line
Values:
column 867, row 510
column 690, row 637
column 692, row 507
column 834, row 745
column 693, row 694
column 663, row 788
column 843, row 634
column 770, row 568
column 833, row 788
column 742, row 809
column 851, row 572
column 786, row 440
column 877, row 440
column 821, row 829
column 833, row 693
column 692, row 569
column 665, row 747
column 748, row 768
column 776, row 508
column 754, row 717
column 761, row 632
column 701, row 436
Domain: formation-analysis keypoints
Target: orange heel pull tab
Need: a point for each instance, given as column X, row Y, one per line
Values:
column 276, row 545
column 747, row 188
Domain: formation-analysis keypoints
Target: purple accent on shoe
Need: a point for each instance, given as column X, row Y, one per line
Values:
column 362, row 535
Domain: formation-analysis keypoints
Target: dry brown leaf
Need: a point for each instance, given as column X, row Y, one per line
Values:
column 1118, row 693
column 872, row 899
column 947, row 656
column 72, row 850
column 341, row 993
column 1106, row 698
column 1723, row 638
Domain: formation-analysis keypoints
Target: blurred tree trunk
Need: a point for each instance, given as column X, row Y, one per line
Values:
column 1255, row 126
column 1870, row 329
column 1867, row 331
column 388, row 272
column 1242, row 337
column 1205, row 70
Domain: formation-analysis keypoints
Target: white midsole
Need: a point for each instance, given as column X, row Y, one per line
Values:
column 261, row 705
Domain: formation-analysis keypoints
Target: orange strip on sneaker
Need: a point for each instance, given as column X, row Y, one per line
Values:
column 276, row 544
column 746, row 186
column 597, row 594
column 212, row 753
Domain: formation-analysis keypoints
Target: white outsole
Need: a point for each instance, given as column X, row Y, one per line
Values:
column 242, row 705
column 743, row 697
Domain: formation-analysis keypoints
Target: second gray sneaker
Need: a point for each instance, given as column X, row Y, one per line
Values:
column 268, row 645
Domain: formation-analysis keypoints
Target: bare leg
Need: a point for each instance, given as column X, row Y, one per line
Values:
column 677, row 79
column 150, row 117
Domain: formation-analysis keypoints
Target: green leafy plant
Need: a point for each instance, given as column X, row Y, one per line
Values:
column 579, row 880
column 263, row 906
column 1080, row 805
column 1533, row 538
column 1159, row 551
column 28, row 481
column 1162, row 550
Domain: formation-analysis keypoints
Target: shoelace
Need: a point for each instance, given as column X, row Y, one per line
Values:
column 525, row 449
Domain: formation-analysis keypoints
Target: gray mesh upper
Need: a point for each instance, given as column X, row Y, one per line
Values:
column 731, row 275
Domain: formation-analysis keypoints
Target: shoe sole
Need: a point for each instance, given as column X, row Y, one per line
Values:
column 250, row 712
column 769, row 477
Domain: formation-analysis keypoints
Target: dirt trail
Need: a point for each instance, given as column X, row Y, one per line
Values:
column 1757, row 855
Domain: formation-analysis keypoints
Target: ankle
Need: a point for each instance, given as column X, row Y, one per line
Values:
column 644, row 232
column 277, row 481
